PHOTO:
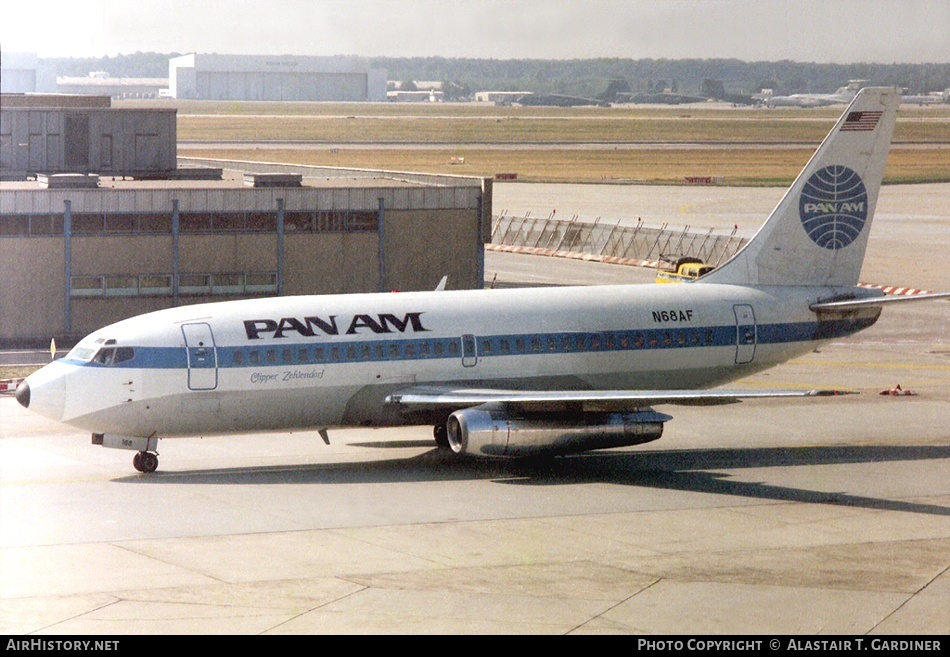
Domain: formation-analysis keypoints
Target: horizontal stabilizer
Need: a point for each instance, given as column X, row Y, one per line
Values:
column 848, row 304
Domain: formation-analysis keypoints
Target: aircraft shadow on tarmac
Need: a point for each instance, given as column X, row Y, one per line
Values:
column 699, row 471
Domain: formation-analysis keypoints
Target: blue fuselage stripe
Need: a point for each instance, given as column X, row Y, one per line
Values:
column 400, row 348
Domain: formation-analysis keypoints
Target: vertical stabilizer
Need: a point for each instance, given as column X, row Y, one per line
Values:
column 818, row 232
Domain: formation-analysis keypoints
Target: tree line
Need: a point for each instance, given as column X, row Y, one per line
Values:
column 588, row 77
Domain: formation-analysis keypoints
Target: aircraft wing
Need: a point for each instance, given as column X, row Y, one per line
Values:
column 604, row 400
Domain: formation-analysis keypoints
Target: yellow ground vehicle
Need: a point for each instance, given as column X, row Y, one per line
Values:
column 684, row 269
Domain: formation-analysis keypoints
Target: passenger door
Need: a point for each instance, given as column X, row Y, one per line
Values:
column 745, row 333
column 202, row 356
column 469, row 352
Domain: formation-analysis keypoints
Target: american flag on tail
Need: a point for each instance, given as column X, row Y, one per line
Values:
column 861, row 121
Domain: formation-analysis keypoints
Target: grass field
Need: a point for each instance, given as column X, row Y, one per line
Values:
column 17, row 372
column 552, row 144
column 738, row 166
column 515, row 128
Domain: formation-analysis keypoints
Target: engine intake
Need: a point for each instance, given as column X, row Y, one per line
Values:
column 492, row 432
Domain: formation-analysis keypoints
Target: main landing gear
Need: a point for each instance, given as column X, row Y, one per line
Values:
column 145, row 462
column 441, row 436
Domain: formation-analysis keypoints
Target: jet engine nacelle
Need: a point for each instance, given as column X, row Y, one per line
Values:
column 491, row 432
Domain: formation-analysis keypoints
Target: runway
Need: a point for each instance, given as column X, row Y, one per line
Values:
column 823, row 516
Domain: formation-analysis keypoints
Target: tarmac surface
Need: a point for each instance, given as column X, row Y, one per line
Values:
column 821, row 516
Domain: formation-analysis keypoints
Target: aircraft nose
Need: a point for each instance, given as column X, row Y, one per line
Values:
column 22, row 394
column 44, row 391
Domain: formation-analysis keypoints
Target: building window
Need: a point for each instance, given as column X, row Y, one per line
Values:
column 261, row 222
column 298, row 222
column 194, row 222
column 88, row 224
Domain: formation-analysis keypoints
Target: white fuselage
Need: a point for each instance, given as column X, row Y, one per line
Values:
column 327, row 361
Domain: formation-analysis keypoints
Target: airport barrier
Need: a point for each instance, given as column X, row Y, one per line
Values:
column 8, row 386
column 894, row 290
column 613, row 242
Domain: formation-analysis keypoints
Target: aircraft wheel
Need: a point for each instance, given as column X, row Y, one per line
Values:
column 441, row 436
column 149, row 462
column 145, row 462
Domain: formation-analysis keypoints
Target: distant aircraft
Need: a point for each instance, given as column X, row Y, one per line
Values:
column 842, row 96
column 933, row 98
column 499, row 373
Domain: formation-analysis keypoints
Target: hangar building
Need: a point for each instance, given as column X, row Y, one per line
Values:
column 24, row 72
column 261, row 77
column 118, row 88
column 18, row 72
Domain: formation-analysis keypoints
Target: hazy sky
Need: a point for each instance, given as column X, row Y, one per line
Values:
column 842, row 31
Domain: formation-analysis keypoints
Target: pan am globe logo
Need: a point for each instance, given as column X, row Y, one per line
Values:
column 833, row 207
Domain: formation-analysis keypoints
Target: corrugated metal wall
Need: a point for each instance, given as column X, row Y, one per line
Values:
column 87, row 140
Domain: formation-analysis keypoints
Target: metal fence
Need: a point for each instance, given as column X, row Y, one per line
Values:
column 613, row 240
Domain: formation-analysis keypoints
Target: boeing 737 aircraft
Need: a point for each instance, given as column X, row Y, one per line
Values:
column 497, row 372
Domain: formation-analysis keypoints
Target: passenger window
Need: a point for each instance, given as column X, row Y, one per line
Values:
column 238, row 357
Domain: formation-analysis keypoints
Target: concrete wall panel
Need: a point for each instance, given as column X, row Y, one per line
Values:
column 105, row 256
column 448, row 249
column 227, row 253
column 32, row 288
column 91, row 314
column 331, row 263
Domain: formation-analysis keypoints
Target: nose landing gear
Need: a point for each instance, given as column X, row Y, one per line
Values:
column 145, row 462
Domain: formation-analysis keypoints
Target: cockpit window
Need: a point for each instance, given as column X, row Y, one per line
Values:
column 123, row 354
column 80, row 352
column 105, row 356
column 114, row 355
